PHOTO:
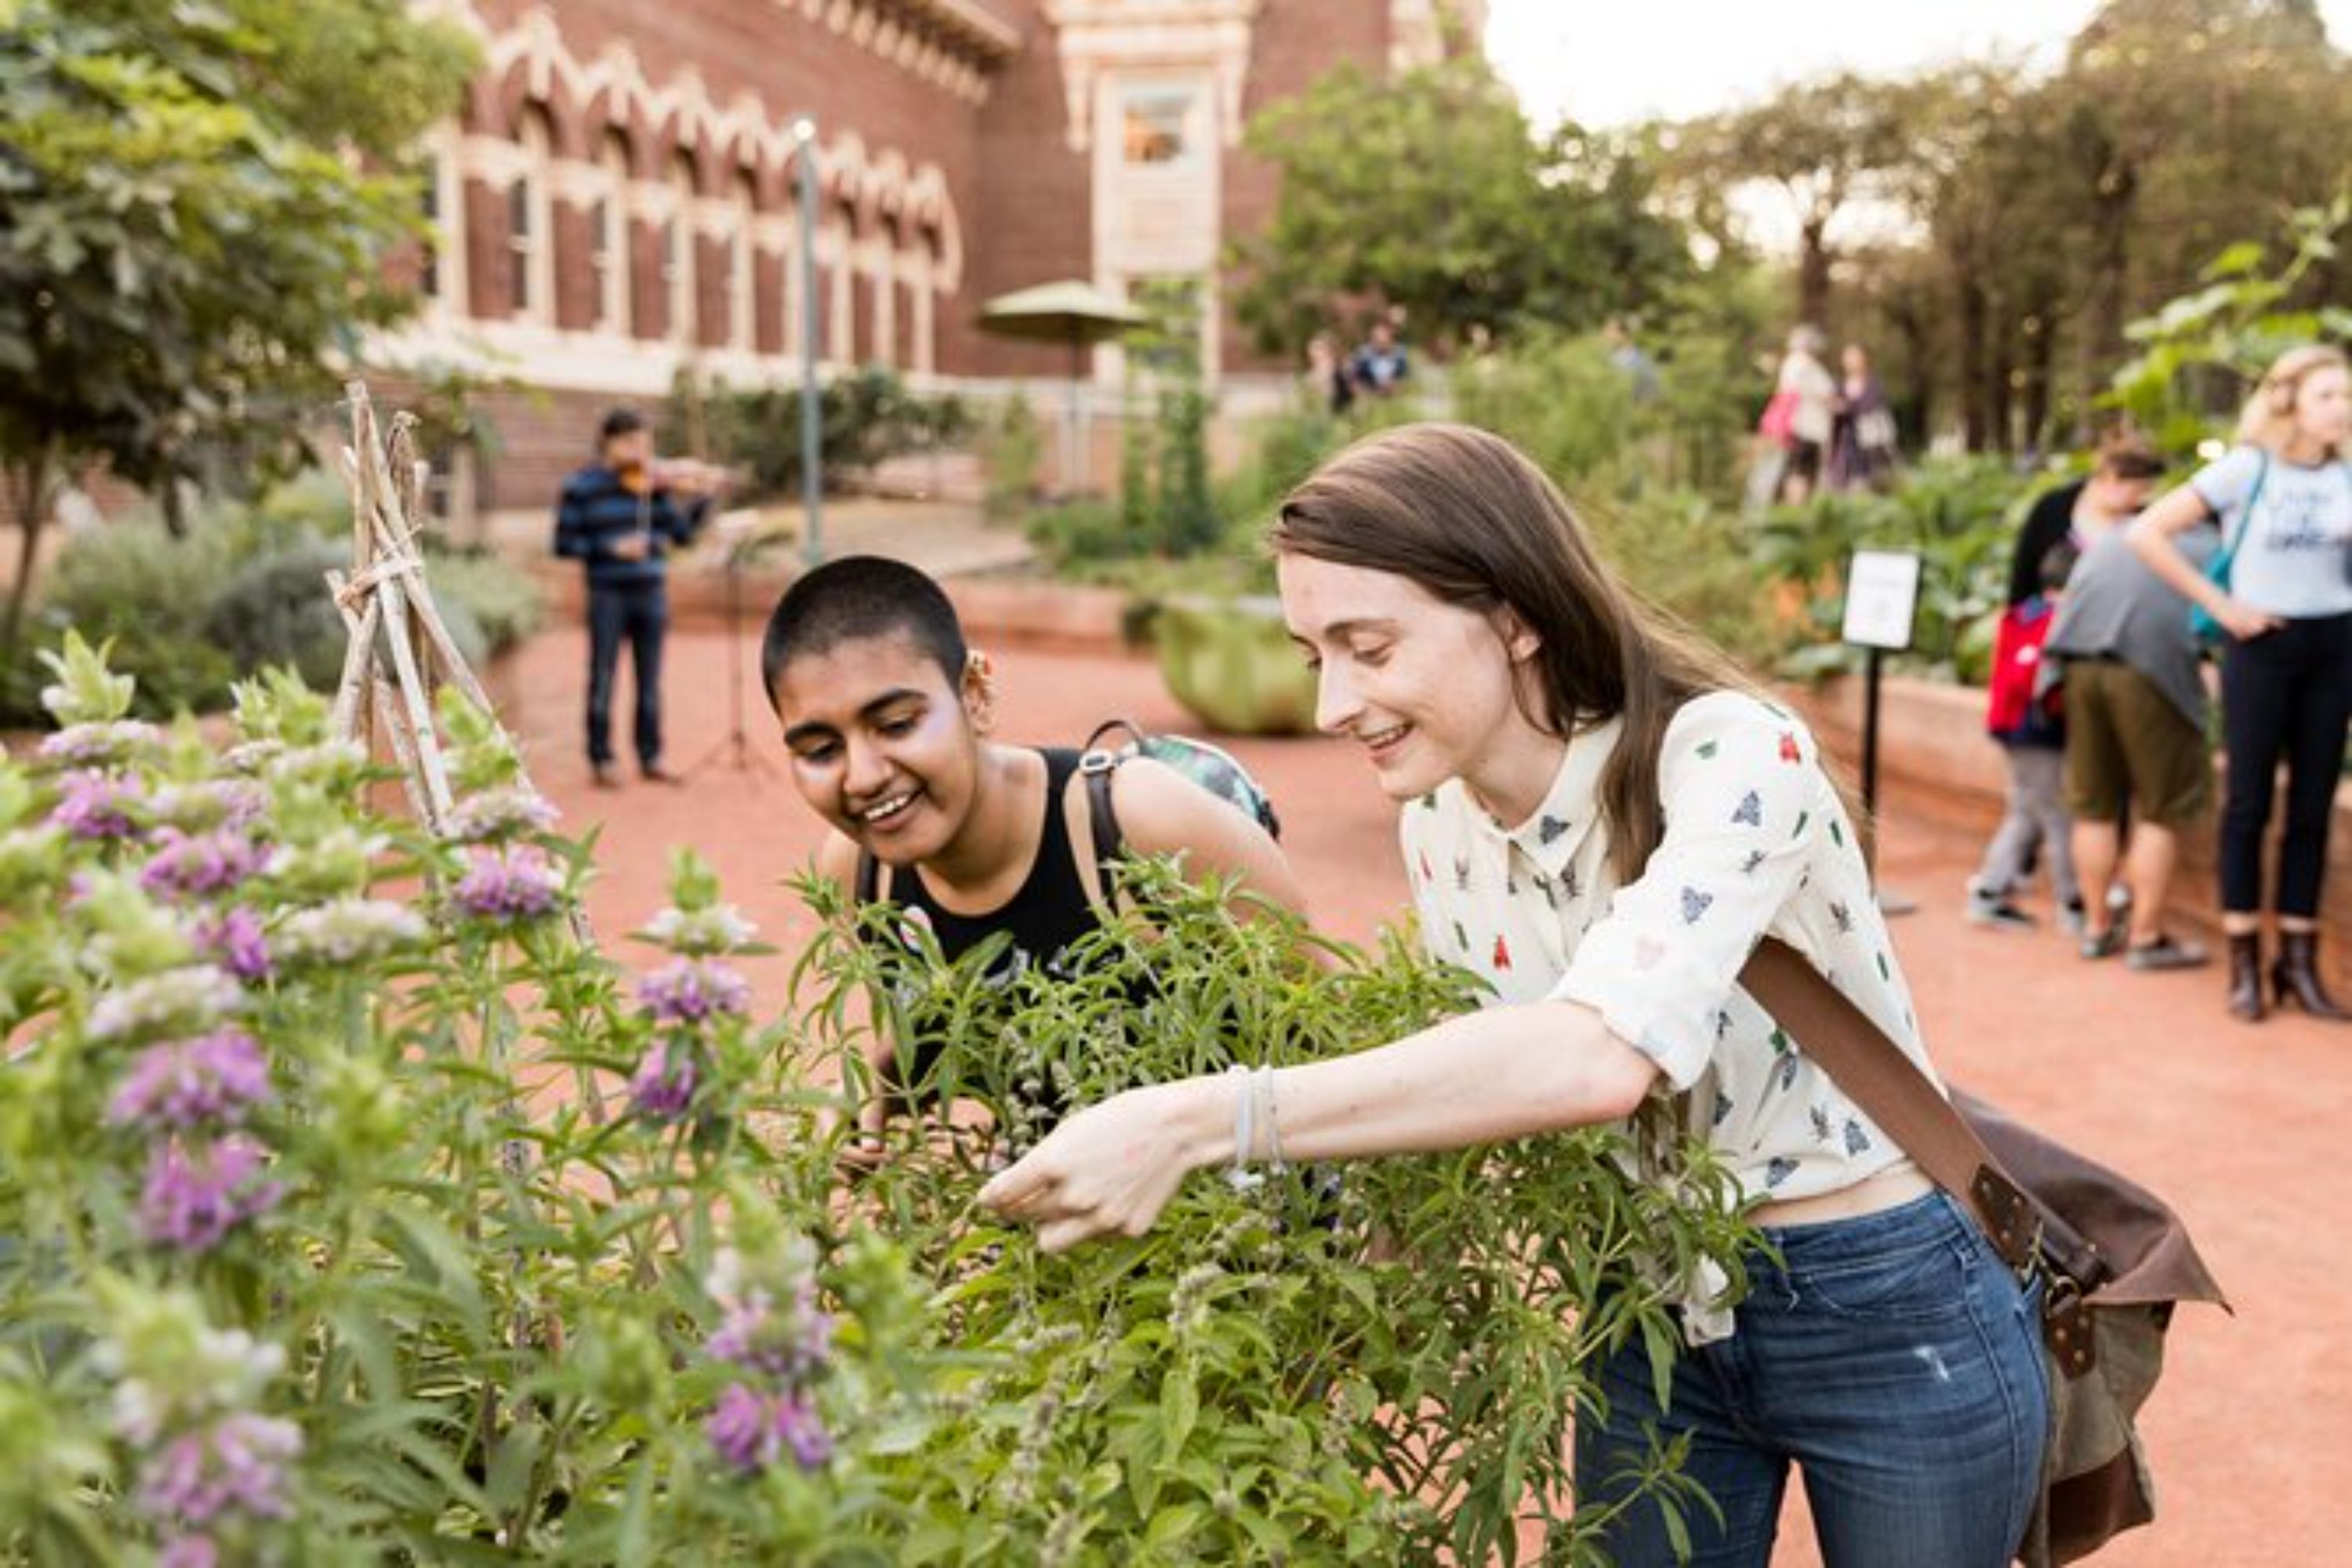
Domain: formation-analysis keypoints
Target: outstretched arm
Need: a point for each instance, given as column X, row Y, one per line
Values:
column 1486, row 1076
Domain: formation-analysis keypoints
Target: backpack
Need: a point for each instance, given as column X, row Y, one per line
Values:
column 2013, row 711
column 1212, row 768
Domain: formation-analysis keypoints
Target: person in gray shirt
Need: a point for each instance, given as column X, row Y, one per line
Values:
column 2135, row 706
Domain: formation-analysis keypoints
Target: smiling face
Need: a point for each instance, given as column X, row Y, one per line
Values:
column 1427, row 689
column 883, row 746
column 2323, row 408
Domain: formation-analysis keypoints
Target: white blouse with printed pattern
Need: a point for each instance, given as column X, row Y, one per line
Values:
column 1757, row 842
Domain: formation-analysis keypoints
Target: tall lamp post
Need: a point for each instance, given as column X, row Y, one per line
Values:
column 812, row 325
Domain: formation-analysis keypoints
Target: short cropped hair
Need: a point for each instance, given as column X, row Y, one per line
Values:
column 856, row 597
column 620, row 421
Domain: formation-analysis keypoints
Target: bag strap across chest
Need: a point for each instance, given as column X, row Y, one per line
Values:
column 2092, row 1233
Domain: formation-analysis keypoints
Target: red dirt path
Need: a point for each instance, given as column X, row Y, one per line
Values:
column 2241, row 1128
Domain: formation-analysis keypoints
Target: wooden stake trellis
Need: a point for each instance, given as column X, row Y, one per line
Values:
column 388, row 609
column 401, row 651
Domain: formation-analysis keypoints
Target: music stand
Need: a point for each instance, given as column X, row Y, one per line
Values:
column 734, row 748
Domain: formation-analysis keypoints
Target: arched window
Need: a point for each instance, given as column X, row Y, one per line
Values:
column 530, row 270
column 843, row 340
column 678, row 252
column 743, row 277
column 608, row 235
column 889, row 327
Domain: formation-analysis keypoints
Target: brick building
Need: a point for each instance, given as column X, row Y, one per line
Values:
column 617, row 199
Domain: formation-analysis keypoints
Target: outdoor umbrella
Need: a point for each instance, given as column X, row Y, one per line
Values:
column 1071, row 311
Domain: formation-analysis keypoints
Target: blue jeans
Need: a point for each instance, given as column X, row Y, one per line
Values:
column 1893, row 1357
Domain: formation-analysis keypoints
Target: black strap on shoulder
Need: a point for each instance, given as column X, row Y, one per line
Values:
column 1102, row 816
column 869, row 878
column 1113, row 726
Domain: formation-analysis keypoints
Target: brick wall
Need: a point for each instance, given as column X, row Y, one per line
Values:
column 1034, row 222
column 794, row 64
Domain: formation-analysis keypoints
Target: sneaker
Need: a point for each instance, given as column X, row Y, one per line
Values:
column 1995, row 910
column 602, row 775
column 2073, row 919
column 653, row 773
column 2164, row 953
column 2105, row 943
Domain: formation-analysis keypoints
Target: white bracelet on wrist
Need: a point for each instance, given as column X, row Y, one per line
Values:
column 1240, row 1177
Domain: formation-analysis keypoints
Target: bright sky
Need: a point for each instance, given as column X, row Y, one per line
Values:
column 1608, row 62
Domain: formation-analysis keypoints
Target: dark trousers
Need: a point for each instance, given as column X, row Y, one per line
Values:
column 2287, row 693
column 640, row 614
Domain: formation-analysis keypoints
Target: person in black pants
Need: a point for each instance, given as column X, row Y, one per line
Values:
column 2285, row 498
column 622, row 515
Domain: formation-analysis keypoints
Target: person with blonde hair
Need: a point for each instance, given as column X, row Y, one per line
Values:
column 2282, row 599
column 1601, row 818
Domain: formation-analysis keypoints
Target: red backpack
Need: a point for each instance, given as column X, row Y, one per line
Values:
column 2013, row 710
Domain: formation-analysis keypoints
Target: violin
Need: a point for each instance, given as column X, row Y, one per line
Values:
column 636, row 477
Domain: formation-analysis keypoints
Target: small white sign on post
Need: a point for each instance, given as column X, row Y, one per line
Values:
column 1881, row 591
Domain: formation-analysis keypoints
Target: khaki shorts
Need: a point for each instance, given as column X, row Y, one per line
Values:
column 2126, row 741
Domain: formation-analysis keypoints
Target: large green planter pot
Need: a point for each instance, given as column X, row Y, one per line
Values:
column 1233, row 666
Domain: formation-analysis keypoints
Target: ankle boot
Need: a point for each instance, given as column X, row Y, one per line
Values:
column 2295, row 977
column 2246, row 975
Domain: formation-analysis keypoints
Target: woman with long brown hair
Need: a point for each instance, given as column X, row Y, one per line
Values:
column 1601, row 817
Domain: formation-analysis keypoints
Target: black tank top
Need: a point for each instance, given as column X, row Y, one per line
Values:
column 1045, row 915
column 1047, row 912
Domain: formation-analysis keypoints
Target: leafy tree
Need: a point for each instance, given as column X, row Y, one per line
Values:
column 2190, row 121
column 1429, row 191
column 195, row 202
column 1824, row 144
column 2207, row 348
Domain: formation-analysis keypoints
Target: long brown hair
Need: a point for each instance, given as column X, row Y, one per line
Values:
column 1469, row 518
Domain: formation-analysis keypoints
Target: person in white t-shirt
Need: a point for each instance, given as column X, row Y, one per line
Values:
column 1813, row 394
column 1603, row 818
column 2283, row 496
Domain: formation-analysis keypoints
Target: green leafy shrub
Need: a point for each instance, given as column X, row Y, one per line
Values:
column 1260, row 1378
column 149, row 595
column 2201, row 353
column 501, row 600
column 1011, row 455
column 1077, row 535
column 275, row 609
column 244, row 590
column 1689, row 555
column 863, row 418
column 1558, row 399
column 1959, row 515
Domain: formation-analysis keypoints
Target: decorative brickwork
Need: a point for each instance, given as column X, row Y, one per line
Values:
column 616, row 196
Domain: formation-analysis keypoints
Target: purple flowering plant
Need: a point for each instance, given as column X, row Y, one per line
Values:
column 357, row 1203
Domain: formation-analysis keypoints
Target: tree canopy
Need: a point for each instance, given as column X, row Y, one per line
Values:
column 1431, row 193
column 195, row 202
